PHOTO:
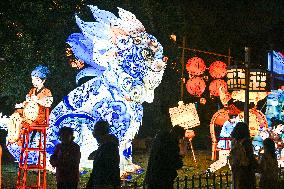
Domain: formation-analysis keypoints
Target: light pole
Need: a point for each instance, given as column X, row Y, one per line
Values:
column 242, row 78
column 247, row 81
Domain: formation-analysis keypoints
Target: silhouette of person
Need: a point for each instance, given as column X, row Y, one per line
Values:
column 66, row 159
column 106, row 172
column 164, row 159
column 242, row 159
column 268, row 166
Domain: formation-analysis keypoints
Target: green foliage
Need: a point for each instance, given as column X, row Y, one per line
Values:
column 36, row 35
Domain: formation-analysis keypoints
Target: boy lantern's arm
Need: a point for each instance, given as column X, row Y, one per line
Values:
column 47, row 100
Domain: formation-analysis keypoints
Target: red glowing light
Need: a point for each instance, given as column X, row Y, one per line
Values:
column 218, row 69
column 215, row 86
column 196, row 86
column 195, row 66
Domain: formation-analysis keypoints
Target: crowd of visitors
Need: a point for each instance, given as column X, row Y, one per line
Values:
column 164, row 160
column 244, row 164
column 66, row 159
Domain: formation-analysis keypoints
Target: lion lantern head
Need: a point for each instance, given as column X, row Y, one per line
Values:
column 119, row 50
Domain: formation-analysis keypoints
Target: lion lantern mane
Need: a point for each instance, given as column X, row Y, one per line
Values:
column 126, row 65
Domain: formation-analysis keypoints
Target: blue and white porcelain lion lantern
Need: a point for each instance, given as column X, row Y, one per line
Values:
column 126, row 64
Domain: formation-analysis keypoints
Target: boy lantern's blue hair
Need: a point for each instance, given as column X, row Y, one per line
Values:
column 40, row 71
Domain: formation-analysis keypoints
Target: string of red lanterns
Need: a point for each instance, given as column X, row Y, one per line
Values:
column 196, row 85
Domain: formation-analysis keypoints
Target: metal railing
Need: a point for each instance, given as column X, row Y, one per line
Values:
column 208, row 181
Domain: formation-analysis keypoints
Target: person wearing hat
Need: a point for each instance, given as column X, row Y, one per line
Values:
column 33, row 108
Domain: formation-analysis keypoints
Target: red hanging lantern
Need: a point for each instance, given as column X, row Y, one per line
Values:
column 195, row 66
column 196, row 86
column 215, row 85
column 218, row 69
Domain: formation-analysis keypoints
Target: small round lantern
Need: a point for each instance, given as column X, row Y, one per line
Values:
column 196, row 86
column 189, row 134
column 215, row 86
column 202, row 101
column 218, row 70
column 195, row 66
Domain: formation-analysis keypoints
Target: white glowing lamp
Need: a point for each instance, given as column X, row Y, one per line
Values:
column 253, row 96
column 184, row 115
column 257, row 80
column 236, row 79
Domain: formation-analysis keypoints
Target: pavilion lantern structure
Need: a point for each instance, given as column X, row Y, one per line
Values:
column 241, row 77
column 236, row 79
column 258, row 80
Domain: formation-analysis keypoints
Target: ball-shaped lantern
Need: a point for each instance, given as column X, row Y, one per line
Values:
column 189, row 134
column 196, row 86
column 215, row 85
column 218, row 70
column 31, row 111
column 202, row 101
column 195, row 66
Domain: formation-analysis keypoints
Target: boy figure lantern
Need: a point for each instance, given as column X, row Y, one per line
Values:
column 32, row 109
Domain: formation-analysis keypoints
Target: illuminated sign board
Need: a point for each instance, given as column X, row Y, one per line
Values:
column 278, row 62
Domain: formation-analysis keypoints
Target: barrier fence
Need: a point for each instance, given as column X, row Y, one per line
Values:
column 208, row 181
